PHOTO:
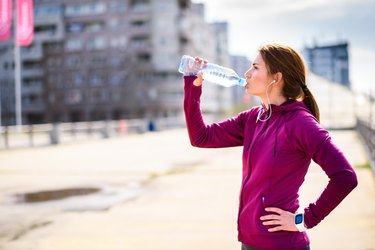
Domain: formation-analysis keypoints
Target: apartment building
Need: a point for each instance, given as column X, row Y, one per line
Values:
column 118, row 59
column 330, row 62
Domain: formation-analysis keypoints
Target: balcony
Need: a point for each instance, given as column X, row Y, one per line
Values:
column 28, row 90
column 33, row 52
column 140, row 28
column 32, row 72
column 33, row 106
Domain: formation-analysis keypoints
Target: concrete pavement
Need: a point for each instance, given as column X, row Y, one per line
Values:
column 186, row 198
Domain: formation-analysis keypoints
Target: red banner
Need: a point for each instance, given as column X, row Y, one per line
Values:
column 5, row 19
column 25, row 22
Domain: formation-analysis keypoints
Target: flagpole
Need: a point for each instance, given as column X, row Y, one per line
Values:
column 1, row 121
column 17, row 60
column 17, row 76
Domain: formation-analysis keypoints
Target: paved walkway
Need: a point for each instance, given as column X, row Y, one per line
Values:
column 184, row 198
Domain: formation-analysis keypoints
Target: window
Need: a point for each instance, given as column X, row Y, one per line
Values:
column 140, row 5
column 139, row 23
column 94, row 27
column 116, row 79
column 74, row 45
column 85, row 9
column 98, row 61
column 77, row 79
column 144, row 57
column 75, row 27
column 6, row 66
column 73, row 96
column 119, row 42
column 116, row 96
column 51, row 10
column 97, row 79
column 73, row 62
column 53, row 47
column 45, row 29
column 56, row 81
column 97, row 43
column 113, row 23
column 116, row 61
column 99, row 95
column 119, row 7
column 139, row 42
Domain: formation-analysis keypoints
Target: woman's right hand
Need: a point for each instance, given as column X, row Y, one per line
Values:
column 199, row 80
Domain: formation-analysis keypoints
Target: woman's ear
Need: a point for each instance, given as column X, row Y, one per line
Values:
column 278, row 77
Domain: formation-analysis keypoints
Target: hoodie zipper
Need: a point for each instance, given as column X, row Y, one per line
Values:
column 250, row 169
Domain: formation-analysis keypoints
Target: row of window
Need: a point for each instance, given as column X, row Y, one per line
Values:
column 78, row 80
column 98, row 43
column 85, row 9
column 76, row 61
column 98, row 26
column 76, row 96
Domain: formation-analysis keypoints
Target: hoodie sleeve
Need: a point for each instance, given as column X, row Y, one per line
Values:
column 317, row 143
column 227, row 133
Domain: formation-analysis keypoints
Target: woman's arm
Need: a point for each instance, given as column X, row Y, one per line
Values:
column 342, row 178
column 228, row 133
column 316, row 142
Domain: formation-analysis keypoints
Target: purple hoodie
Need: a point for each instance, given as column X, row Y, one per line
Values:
column 276, row 157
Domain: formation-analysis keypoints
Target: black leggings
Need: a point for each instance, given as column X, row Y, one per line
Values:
column 246, row 247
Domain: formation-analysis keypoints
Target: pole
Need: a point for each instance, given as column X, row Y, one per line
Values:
column 17, row 76
column 18, row 86
column 1, row 123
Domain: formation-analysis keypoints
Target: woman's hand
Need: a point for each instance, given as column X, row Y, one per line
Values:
column 199, row 64
column 281, row 220
column 199, row 80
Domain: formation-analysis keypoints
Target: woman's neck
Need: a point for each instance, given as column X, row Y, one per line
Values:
column 276, row 100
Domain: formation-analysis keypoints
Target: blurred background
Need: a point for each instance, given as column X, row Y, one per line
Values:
column 117, row 60
column 95, row 70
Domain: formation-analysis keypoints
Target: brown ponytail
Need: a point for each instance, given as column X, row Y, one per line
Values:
column 287, row 61
column 310, row 102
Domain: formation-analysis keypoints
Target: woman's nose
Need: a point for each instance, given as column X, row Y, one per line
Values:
column 247, row 74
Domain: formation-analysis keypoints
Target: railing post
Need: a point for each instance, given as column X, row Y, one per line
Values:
column 106, row 130
column 6, row 137
column 55, row 133
column 31, row 135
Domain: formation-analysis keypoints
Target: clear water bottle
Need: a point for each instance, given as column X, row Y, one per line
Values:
column 211, row 72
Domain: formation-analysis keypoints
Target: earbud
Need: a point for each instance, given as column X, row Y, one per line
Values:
column 273, row 81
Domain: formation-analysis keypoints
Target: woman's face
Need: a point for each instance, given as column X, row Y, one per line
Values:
column 257, row 78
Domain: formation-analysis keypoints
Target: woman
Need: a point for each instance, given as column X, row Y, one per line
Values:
column 279, row 139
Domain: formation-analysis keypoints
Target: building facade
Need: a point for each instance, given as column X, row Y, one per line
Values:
column 330, row 62
column 102, row 60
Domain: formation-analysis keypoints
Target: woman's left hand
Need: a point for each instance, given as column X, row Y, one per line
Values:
column 281, row 220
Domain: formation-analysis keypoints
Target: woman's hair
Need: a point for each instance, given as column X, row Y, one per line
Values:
column 287, row 61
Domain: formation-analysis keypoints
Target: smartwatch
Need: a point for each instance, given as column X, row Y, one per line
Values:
column 299, row 222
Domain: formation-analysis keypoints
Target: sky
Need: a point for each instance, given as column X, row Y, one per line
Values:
column 299, row 23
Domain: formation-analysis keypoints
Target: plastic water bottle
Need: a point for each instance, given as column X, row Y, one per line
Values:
column 211, row 72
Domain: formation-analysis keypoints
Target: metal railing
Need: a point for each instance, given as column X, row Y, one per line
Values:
column 49, row 134
column 366, row 130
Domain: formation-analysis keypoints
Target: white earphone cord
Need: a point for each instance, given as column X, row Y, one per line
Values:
column 269, row 107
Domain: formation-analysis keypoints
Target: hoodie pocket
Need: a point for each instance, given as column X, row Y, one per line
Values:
column 263, row 202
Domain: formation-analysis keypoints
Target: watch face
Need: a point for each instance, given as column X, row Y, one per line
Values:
column 298, row 219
